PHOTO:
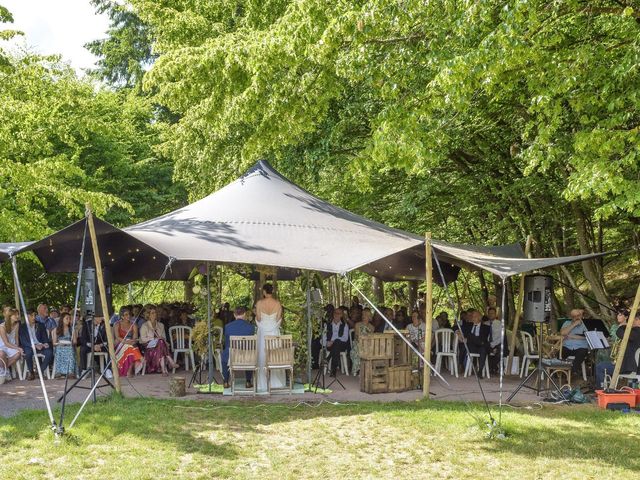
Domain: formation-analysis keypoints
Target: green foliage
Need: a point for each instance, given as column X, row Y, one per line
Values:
column 125, row 54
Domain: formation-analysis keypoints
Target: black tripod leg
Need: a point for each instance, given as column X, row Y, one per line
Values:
column 78, row 380
column 523, row 384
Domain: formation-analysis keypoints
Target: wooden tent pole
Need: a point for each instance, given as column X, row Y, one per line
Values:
column 625, row 339
column 519, row 307
column 429, row 314
column 103, row 299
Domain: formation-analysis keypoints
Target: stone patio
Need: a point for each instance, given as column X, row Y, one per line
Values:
column 18, row 395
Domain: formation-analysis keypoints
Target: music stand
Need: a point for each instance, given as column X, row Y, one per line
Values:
column 539, row 370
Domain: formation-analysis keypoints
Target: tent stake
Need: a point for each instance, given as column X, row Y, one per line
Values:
column 429, row 314
column 103, row 298
column 625, row 339
column 516, row 320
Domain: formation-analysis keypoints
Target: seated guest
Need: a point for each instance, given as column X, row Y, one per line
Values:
column 128, row 355
column 224, row 314
column 10, row 352
column 629, row 364
column 378, row 322
column 65, row 340
column 93, row 330
column 35, row 332
column 152, row 335
column 137, row 315
column 337, row 339
column 574, row 342
column 416, row 330
column 399, row 321
column 496, row 340
column 462, row 328
column 478, row 340
column 238, row 327
column 355, row 316
column 44, row 318
column 362, row 328
column 443, row 320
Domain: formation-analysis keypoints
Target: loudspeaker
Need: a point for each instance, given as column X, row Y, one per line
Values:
column 537, row 298
column 91, row 302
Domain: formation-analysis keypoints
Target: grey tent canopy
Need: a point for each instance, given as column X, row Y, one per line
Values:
column 264, row 219
column 504, row 261
column 6, row 249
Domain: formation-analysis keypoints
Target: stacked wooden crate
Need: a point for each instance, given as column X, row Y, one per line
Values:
column 385, row 363
column 376, row 354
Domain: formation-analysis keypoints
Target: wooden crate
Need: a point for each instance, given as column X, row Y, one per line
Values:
column 400, row 379
column 401, row 351
column 376, row 346
column 374, row 376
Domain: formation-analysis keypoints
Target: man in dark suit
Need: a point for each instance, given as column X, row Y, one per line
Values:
column 92, row 329
column 238, row 327
column 478, row 339
column 37, row 332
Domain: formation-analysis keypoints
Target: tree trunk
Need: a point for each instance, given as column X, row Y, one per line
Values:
column 188, row 291
column 377, row 286
column 412, row 288
column 483, row 288
column 589, row 267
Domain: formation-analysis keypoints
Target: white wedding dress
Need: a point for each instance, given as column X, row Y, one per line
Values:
column 268, row 325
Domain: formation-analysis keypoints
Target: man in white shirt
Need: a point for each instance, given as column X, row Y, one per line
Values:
column 337, row 339
column 496, row 340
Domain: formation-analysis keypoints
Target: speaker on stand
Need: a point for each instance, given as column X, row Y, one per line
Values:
column 537, row 309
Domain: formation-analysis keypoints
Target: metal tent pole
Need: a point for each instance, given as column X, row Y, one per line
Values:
column 210, row 351
column 309, row 328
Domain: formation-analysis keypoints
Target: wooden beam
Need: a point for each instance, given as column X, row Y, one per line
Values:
column 428, row 313
column 103, row 299
column 519, row 305
column 625, row 338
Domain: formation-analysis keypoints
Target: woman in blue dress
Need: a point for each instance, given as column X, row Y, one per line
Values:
column 64, row 340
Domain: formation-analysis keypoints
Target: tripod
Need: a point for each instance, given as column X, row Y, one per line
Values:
column 538, row 371
column 321, row 375
column 90, row 370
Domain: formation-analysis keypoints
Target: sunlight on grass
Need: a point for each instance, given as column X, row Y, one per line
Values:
column 163, row 439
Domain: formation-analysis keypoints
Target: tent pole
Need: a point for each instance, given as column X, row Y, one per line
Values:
column 309, row 329
column 17, row 298
column 625, row 339
column 103, row 299
column 209, row 351
column 519, row 306
column 429, row 314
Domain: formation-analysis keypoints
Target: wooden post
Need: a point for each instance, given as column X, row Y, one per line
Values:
column 429, row 314
column 519, row 305
column 103, row 299
column 625, row 339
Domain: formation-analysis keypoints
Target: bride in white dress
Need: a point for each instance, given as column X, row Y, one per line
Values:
column 268, row 318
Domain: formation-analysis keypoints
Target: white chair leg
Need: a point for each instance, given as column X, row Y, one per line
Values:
column 193, row 362
column 454, row 361
column 584, row 372
column 175, row 358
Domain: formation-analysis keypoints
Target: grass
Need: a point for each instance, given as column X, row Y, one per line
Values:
column 143, row 438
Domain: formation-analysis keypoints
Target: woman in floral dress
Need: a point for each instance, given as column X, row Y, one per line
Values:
column 364, row 327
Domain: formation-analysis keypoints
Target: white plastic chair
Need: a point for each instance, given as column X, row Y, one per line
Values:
column 48, row 372
column 101, row 356
column 530, row 352
column 468, row 369
column 447, row 349
column 632, row 376
column 571, row 358
column 180, row 337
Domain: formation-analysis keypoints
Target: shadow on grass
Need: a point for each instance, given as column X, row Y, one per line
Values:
column 195, row 426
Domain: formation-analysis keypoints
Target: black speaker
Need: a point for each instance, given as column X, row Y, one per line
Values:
column 91, row 302
column 537, row 298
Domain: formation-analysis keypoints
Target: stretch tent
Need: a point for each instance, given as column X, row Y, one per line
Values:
column 264, row 219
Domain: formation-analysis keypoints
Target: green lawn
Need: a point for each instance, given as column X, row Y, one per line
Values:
column 143, row 438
